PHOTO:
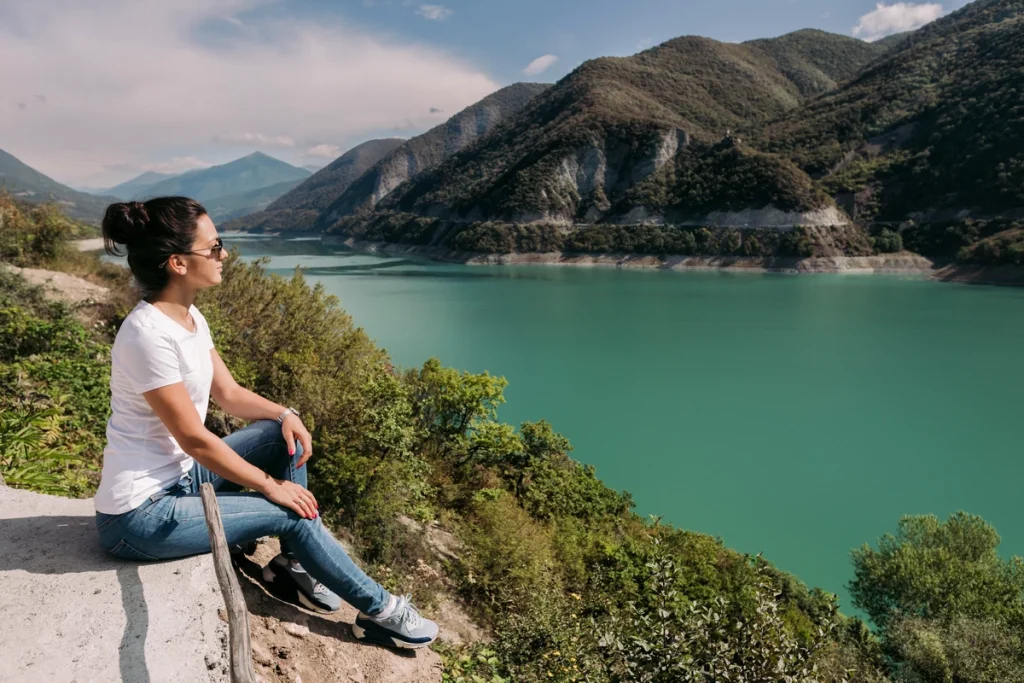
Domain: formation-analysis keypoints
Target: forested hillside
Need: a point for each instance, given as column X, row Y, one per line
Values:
column 914, row 142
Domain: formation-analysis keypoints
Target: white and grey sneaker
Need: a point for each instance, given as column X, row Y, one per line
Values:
column 311, row 593
column 403, row 627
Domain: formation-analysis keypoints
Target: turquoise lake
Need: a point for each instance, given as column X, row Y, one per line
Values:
column 798, row 416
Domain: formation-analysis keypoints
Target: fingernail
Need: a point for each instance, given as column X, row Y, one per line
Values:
column 291, row 451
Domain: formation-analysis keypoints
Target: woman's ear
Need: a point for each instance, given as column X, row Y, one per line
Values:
column 177, row 264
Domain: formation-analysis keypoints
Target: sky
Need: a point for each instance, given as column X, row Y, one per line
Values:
column 94, row 92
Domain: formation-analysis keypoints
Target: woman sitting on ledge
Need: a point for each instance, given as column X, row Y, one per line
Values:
column 164, row 367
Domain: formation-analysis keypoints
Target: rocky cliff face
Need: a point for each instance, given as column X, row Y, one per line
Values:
column 428, row 150
column 300, row 208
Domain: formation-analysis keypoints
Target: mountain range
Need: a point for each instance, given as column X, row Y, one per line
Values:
column 356, row 181
column 242, row 186
column 850, row 144
column 29, row 185
column 806, row 144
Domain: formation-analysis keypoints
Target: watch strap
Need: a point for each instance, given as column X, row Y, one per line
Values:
column 286, row 413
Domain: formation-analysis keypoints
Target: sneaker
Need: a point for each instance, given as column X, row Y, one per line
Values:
column 405, row 628
column 240, row 549
column 311, row 593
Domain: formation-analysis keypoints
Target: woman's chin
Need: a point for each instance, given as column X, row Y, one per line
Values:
column 214, row 280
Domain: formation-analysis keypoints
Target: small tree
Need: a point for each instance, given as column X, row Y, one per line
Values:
column 938, row 570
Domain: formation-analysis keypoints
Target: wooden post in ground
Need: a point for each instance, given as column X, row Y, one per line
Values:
column 238, row 615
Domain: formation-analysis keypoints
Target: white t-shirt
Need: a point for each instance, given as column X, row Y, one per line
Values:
column 151, row 351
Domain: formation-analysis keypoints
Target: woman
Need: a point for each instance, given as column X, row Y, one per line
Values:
column 164, row 367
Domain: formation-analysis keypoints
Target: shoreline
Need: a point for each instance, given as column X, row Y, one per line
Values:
column 901, row 263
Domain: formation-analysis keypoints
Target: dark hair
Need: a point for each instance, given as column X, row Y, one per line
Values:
column 151, row 232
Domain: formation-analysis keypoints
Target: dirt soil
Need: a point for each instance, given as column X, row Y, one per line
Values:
column 294, row 645
column 62, row 286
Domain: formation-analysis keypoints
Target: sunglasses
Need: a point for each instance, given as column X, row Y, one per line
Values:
column 215, row 250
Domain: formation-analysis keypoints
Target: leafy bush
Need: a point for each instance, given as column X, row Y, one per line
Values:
column 28, row 456
column 887, row 242
column 33, row 235
column 51, row 365
column 961, row 649
column 938, row 570
column 706, row 643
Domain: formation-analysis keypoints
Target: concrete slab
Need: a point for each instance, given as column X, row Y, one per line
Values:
column 71, row 614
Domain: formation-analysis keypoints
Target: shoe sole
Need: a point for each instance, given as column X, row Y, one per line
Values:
column 361, row 635
column 270, row 576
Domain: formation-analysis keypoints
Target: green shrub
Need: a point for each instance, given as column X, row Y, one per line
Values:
column 887, row 242
column 512, row 560
column 938, row 570
column 30, row 456
column 960, row 650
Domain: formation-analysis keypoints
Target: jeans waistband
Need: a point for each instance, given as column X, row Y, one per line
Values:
column 183, row 483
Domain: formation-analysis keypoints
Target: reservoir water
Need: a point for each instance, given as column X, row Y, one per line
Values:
column 798, row 416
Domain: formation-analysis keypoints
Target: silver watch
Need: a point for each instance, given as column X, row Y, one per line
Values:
column 286, row 413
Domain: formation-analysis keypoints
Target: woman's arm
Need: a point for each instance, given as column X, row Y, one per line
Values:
column 238, row 401
column 174, row 407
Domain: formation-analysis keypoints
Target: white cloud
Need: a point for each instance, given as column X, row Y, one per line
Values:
column 323, row 151
column 434, row 12
column 253, row 139
column 130, row 84
column 540, row 65
column 885, row 19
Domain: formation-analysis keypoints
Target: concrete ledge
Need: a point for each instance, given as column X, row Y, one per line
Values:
column 73, row 614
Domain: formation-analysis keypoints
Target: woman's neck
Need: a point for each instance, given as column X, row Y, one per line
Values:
column 175, row 302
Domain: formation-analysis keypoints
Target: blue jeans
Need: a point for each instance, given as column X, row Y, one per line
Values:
column 172, row 523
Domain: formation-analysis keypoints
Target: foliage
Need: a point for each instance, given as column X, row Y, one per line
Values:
column 473, row 664
column 35, row 235
column 28, row 458
column 51, row 366
column 937, row 570
column 960, row 650
column 727, row 176
column 1003, row 248
column 887, row 242
column 943, row 111
column 707, row 643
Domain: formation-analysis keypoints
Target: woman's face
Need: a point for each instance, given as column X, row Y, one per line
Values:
column 206, row 261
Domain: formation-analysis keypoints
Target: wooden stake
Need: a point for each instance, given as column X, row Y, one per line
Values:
column 238, row 615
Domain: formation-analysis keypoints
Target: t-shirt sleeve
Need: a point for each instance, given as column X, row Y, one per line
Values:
column 150, row 360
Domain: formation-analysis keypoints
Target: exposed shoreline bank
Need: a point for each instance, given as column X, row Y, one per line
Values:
column 904, row 262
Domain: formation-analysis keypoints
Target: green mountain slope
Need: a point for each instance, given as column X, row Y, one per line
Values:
column 576, row 149
column 932, row 130
column 429, row 149
column 136, row 187
column 29, row 185
column 231, row 206
column 300, row 208
column 242, row 175
column 916, row 142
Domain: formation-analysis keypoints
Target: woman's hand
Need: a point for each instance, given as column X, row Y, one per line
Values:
column 291, row 495
column 293, row 429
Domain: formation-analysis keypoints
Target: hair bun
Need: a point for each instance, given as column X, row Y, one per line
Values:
column 125, row 222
